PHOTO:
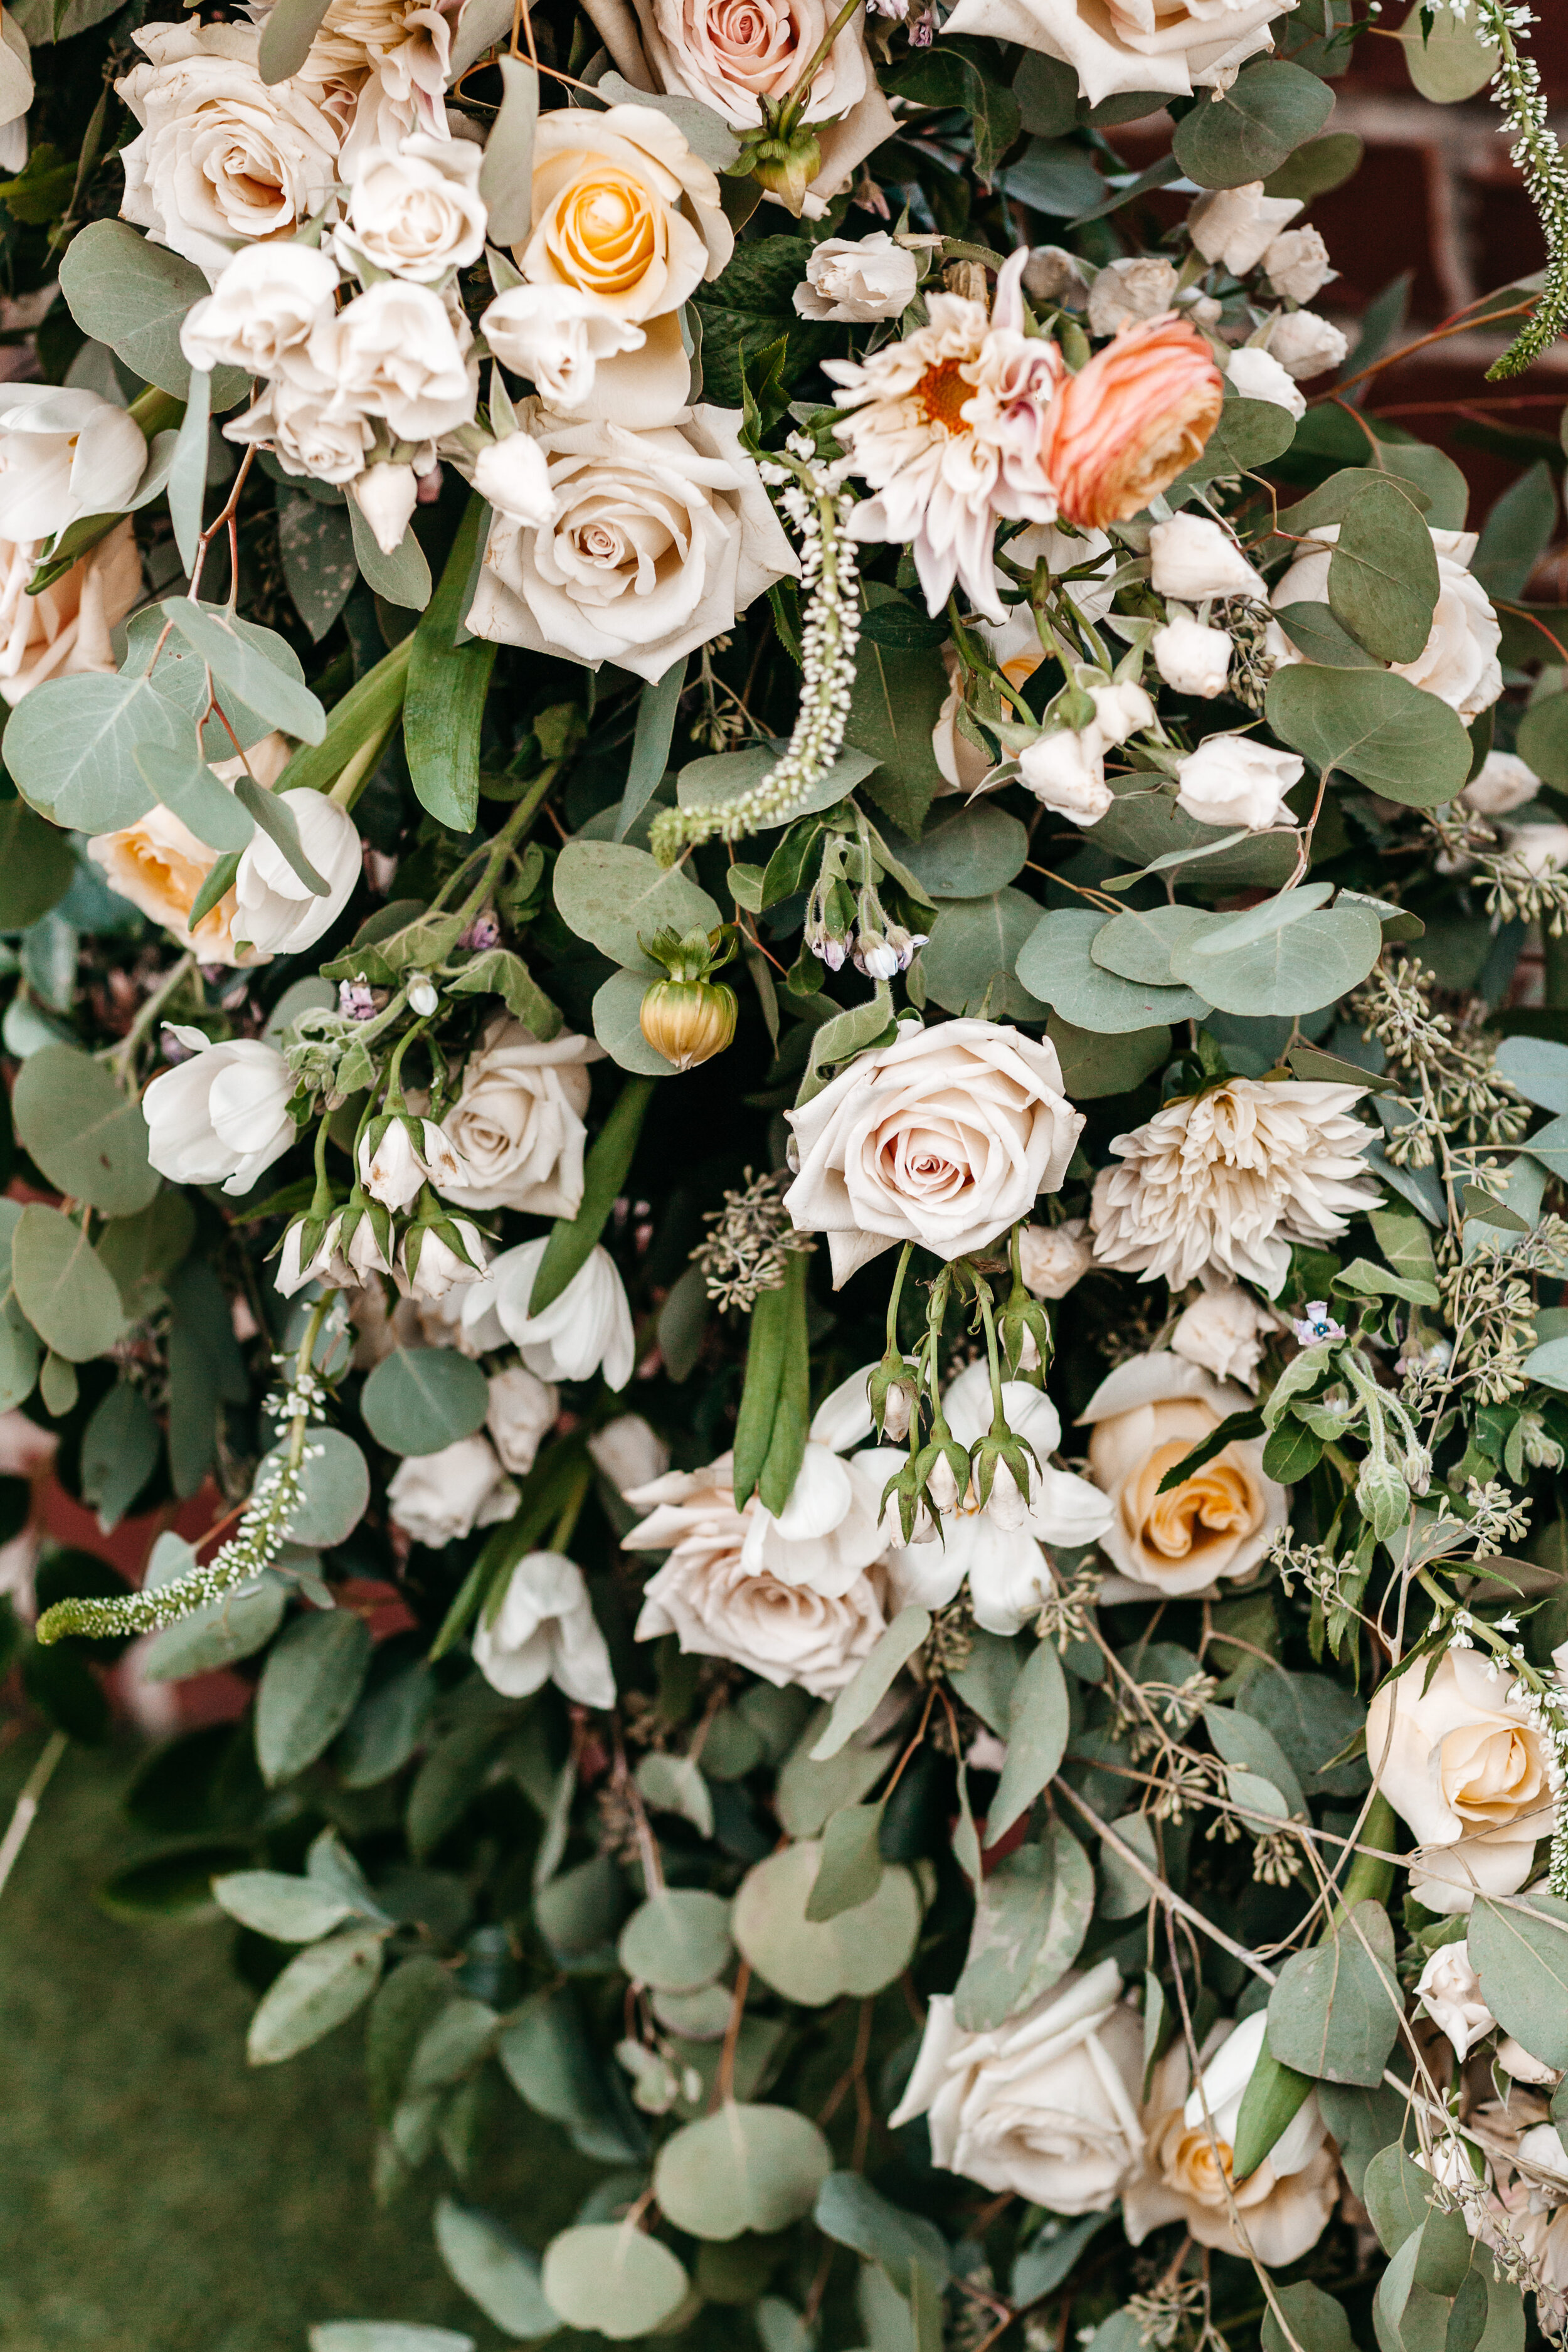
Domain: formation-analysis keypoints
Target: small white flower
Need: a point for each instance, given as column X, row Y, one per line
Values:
column 1297, row 264
column 545, row 1631
column 415, row 211
column 1236, row 226
column 1305, row 346
column 1121, row 710
column 1257, row 374
column 858, row 279
column 1233, row 780
column 386, row 495
column 1191, row 658
column 1054, row 1258
column 422, row 995
column 1225, row 1332
column 1065, row 772
column 430, row 1266
column 1194, row 558
column 521, row 1409
column 263, row 307
column 1142, row 287
column 1459, row 662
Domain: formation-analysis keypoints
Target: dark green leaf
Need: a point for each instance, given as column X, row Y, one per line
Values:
column 447, row 682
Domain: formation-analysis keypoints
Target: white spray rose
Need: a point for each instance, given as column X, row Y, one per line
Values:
column 1194, row 558
column 261, row 309
column 858, row 279
column 1305, row 346
column 660, row 539
column 395, row 353
column 1236, row 226
column 1065, row 772
column 1224, row 1333
column 523, row 1408
column 1045, row 2106
column 1142, row 287
column 405, row 1156
column 432, row 1265
column 1258, row 374
column 517, row 1125
column 1121, row 709
column 1461, row 1762
column 223, row 158
column 556, row 336
column 1212, row 1528
column 277, row 912
column 1169, row 44
column 1191, row 658
column 1234, row 779
column 223, row 1116
column 1505, row 782
column 63, row 454
column 1459, row 662
column 513, row 476
column 306, row 430
column 1449, row 1990
column 545, row 1631
column 386, row 495
column 1297, row 264
column 587, row 1329
column 1054, row 1258
column 438, row 1499
column 945, row 1137
column 415, row 211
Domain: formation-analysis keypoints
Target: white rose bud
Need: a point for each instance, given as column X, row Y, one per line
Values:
column 858, row 279
column 1232, row 779
column 416, row 210
column 1297, row 265
column 1505, row 782
column 278, row 913
column 1194, row 558
column 438, row 1498
column 1257, row 374
column 514, row 477
column 1051, row 274
column 294, row 1270
column 545, row 1631
column 1449, row 1990
column 629, row 1452
column 261, row 309
column 435, row 1267
column 1192, row 659
column 1053, row 1258
column 386, row 495
column 1121, row 709
column 521, row 1409
column 1305, row 344
column 1126, row 291
column 1066, row 774
column 222, row 1117
column 1224, row 1331
column 1237, row 226
column 556, row 337
column 392, row 1172
column 1542, row 848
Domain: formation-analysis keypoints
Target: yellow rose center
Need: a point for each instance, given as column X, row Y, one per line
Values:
column 1215, row 1501
column 1492, row 1772
column 604, row 236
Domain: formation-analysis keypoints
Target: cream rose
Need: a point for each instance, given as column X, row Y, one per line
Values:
column 516, row 1124
column 1284, row 2206
column 1194, row 558
column 1305, row 346
column 1452, row 1749
column 718, row 1606
column 1045, row 2106
column 223, row 158
column 1505, row 783
column 660, row 539
column 858, row 279
column 945, row 1137
column 1237, row 226
column 416, row 210
column 1191, row 658
column 1223, row 1333
column 1234, row 779
column 64, row 630
column 545, row 1631
column 262, row 308
column 523, row 1408
column 1459, row 662
column 623, row 210
column 438, row 1499
column 1297, row 265
column 1212, row 1528
column 1054, row 1258
column 1114, row 44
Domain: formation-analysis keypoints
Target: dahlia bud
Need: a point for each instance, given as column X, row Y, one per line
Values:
column 689, row 1016
column 786, row 167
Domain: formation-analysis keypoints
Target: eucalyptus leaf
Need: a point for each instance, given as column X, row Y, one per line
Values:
column 319, row 1987
column 1056, row 965
column 744, row 2167
column 420, row 1399
column 615, row 896
column 1387, row 733
column 88, row 1138
column 309, row 1690
column 858, row 1951
column 609, row 2277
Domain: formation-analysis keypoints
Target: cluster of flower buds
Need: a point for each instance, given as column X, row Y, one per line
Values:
column 393, row 1223
column 846, row 921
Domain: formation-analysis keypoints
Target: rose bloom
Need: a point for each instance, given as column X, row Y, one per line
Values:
column 732, row 55
column 1191, row 658
column 222, row 158
column 1217, row 1524
column 1065, row 772
column 1234, row 779
column 944, row 1138
column 1142, row 287
column 629, row 1452
column 1460, row 1761
column 516, row 1124
column 1449, row 1990
column 660, row 539
column 1194, row 558
column 623, row 210
column 545, row 1631
column 1045, row 2106
column 1224, row 1333
column 390, row 60
column 263, row 307
column 1257, row 374
column 1284, row 2206
column 718, row 1606
column 394, row 352
column 221, row 1117
column 556, row 337
column 438, row 1499
column 1132, row 419
column 294, row 421
column 523, row 1410
column 858, row 279
column 416, row 210
column 1305, row 346
column 1237, row 226
column 947, row 427
column 1133, row 45
column 1505, row 783
column 1297, row 265
column 160, row 866
column 587, row 1330
column 1053, row 1259
column 64, row 631
column 1459, row 662
column 63, row 454
column 1228, row 1179
column 276, row 913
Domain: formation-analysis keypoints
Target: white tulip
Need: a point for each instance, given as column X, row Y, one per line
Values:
column 63, row 454
column 513, row 476
column 223, row 1116
column 438, row 1498
column 1194, row 558
column 386, row 495
column 1257, row 374
column 1191, row 658
column 545, row 1631
column 1233, row 780
column 587, row 1330
column 522, row 1410
column 1065, row 772
column 556, row 336
column 278, row 913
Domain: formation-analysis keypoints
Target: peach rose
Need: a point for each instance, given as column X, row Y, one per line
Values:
column 160, row 866
column 1131, row 420
column 64, row 630
column 624, row 210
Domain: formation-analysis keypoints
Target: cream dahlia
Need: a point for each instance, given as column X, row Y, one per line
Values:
column 1229, row 1178
column 946, row 426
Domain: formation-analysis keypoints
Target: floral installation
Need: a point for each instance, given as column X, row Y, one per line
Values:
column 783, row 934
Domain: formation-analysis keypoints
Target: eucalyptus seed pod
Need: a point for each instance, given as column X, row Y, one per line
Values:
column 687, row 1021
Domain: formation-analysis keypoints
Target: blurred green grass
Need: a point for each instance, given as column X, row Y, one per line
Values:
column 156, row 2195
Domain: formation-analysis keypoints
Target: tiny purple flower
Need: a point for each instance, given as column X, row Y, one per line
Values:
column 1317, row 1324
column 357, row 999
column 483, row 932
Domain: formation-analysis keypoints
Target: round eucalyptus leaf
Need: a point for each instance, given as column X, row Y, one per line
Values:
column 418, row 1399
column 90, row 1140
column 856, row 1951
column 615, row 896
column 1304, row 964
column 677, row 1941
column 1137, row 946
column 275, row 1903
column 970, row 962
column 607, row 2275
column 971, row 854
column 617, row 1025
column 1057, row 965
column 63, row 1286
column 308, row 1689
column 1388, row 734
column 746, row 2168
column 1448, row 57
column 489, row 2264
column 336, row 1480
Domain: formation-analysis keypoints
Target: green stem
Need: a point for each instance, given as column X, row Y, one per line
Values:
column 1370, row 1877
column 904, row 1256
column 801, row 95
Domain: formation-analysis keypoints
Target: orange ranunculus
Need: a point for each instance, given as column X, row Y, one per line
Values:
column 1130, row 421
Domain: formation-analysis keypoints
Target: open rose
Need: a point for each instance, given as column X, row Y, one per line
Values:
column 1114, row 44
column 660, row 539
column 624, row 210
column 516, row 1124
column 1453, row 1750
column 1284, row 2205
column 262, row 308
column 1132, row 419
column 223, row 158
column 1045, row 2106
column 1215, row 1525
column 65, row 629
column 415, row 209
column 945, row 1137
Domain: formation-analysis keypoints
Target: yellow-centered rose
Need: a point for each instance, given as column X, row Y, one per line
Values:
column 623, row 210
